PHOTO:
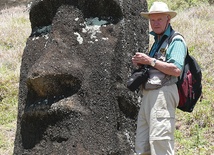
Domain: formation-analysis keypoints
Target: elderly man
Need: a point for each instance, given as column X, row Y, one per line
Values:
column 156, row 118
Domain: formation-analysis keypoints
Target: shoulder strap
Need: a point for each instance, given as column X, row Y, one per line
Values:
column 157, row 48
column 172, row 37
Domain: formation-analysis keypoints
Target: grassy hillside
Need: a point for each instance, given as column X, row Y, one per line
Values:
column 195, row 130
column 194, row 134
column 14, row 30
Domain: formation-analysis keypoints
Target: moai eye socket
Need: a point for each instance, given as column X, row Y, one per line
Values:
column 42, row 13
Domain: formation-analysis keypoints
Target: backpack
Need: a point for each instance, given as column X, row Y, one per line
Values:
column 189, row 83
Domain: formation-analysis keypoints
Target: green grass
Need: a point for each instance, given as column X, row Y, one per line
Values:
column 195, row 131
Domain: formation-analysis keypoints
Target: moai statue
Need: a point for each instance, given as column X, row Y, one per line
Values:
column 73, row 98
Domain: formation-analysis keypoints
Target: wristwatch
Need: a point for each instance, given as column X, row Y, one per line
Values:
column 153, row 62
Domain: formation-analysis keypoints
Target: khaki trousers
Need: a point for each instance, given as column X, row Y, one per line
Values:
column 156, row 121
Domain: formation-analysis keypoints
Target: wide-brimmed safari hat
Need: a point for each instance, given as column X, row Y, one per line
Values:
column 159, row 7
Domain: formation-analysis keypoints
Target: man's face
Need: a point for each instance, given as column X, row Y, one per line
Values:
column 159, row 22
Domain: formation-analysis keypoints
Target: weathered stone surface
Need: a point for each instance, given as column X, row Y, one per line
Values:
column 73, row 97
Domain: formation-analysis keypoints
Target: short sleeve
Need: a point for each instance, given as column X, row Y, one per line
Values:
column 176, row 53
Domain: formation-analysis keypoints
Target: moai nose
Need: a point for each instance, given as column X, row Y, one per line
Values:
column 53, row 85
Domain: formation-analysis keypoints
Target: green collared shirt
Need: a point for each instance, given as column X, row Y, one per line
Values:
column 176, row 51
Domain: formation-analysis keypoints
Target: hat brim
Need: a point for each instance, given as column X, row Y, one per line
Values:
column 146, row 14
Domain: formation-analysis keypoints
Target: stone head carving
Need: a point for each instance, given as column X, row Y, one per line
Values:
column 73, row 97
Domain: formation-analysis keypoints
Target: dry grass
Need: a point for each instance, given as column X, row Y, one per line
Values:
column 197, row 24
column 14, row 30
column 194, row 134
